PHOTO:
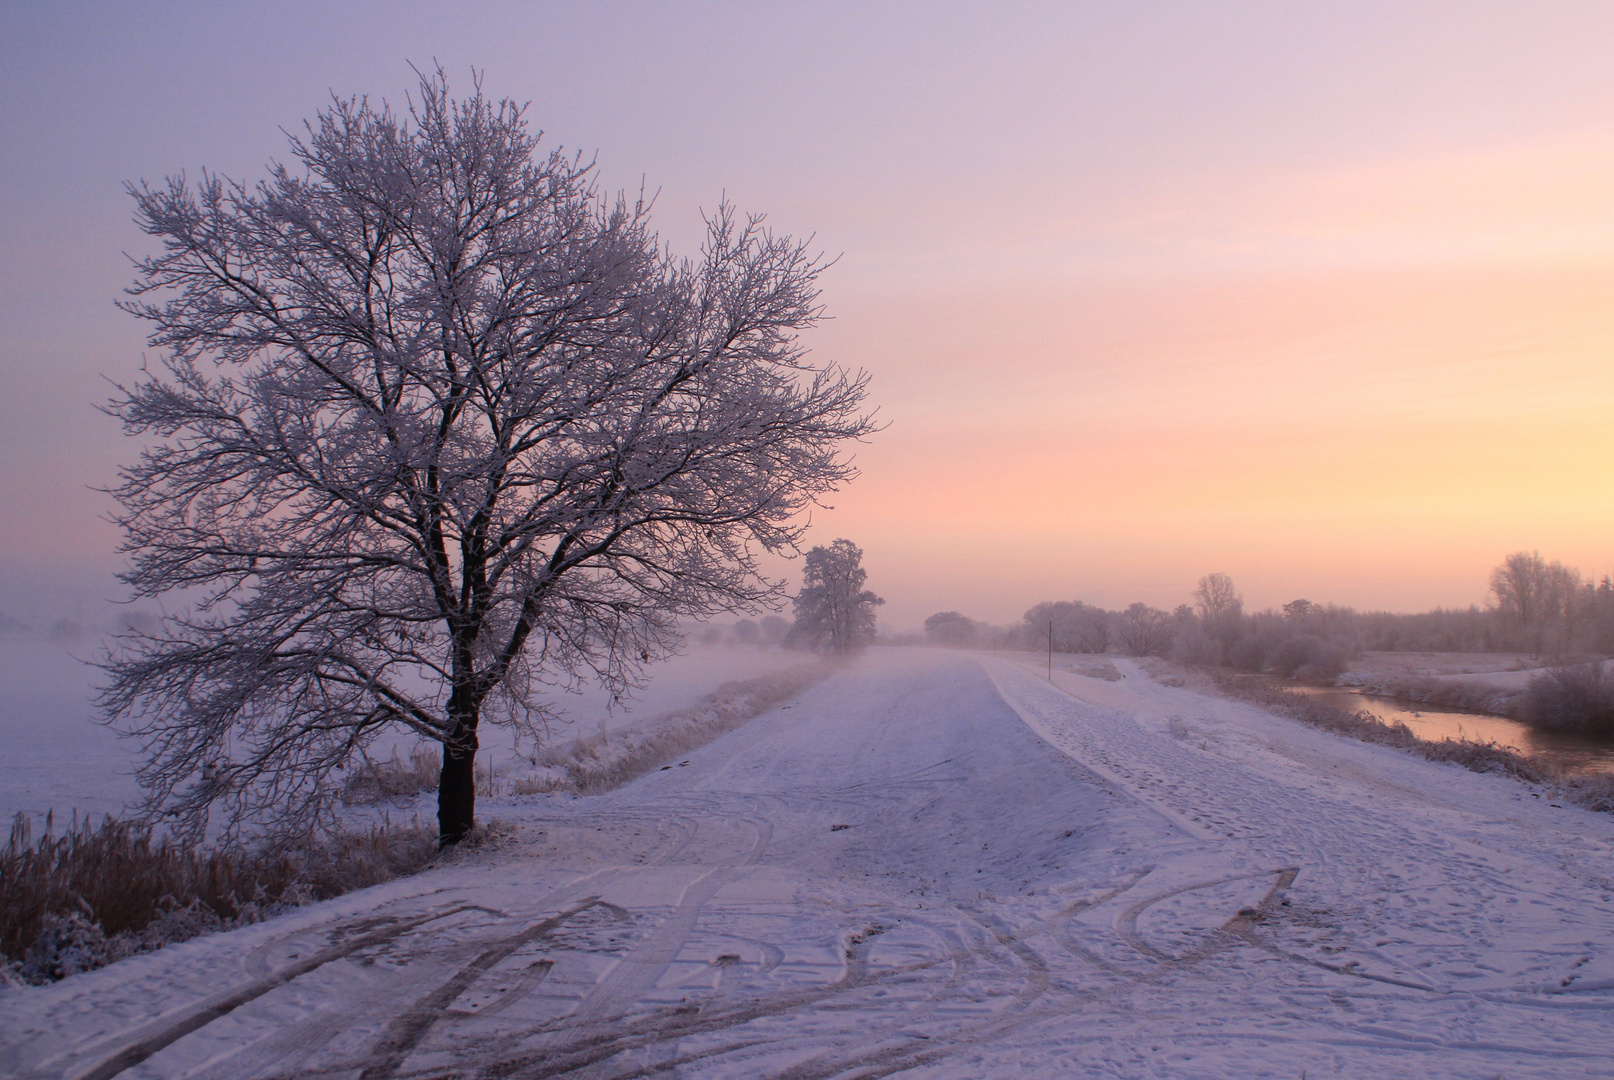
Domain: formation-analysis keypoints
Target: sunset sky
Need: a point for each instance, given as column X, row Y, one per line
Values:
column 1319, row 295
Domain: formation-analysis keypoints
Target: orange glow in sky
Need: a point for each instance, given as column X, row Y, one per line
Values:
column 1364, row 387
column 1321, row 296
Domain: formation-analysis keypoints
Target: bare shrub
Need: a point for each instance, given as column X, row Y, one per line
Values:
column 95, row 894
column 1575, row 698
column 1074, row 627
column 1145, row 631
column 1250, row 652
column 1307, row 658
column 1193, row 646
column 1592, row 792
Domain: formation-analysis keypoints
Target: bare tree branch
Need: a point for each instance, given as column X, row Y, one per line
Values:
column 437, row 427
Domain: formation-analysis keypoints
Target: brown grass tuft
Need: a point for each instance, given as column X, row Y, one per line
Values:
column 95, row 894
column 387, row 781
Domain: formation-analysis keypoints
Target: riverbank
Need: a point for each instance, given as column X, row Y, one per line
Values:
column 1594, row 791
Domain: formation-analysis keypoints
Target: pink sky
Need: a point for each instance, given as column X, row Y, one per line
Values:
column 1315, row 295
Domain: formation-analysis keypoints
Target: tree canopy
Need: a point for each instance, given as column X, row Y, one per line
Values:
column 436, row 427
column 834, row 612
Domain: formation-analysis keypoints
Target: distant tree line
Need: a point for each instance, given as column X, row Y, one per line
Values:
column 1535, row 606
column 767, row 632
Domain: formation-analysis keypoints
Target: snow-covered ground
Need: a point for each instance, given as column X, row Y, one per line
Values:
column 935, row 865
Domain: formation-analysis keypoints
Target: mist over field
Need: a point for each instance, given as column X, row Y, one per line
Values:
column 63, row 759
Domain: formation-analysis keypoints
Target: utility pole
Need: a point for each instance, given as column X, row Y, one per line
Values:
column 1050, row 650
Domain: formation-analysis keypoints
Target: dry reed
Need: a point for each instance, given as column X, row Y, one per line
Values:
column 95, row 894
column 387, row 781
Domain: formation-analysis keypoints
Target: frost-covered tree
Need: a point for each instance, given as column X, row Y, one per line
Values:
column 1074, row 626
column 1216, row 597
column 952, row 628
column 1220, row 608
column 1301, row 610
column 1536, row 597
column 437, row 427
column 1145, row 630
column 834, row 612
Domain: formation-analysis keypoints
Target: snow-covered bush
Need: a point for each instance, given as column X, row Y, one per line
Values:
column 1575, row 697
column 1307, row 658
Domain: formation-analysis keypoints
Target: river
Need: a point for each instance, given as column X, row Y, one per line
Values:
column 1575, row 755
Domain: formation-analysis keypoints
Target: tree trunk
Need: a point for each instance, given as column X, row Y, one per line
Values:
column 456, row 788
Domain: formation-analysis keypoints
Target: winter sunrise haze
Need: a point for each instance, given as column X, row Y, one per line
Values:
column 1317, row 295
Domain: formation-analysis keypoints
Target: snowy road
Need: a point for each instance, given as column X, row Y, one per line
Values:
column 937, row 866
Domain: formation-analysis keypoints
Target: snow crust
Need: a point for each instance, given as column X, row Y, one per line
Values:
column 936, row 865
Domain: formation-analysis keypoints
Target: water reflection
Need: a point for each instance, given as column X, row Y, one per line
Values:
column 1574, row 755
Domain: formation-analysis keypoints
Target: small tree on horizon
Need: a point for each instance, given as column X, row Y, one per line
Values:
column 834, row 612
column 438, row 427
column 1220, row 609
column 1216, row 597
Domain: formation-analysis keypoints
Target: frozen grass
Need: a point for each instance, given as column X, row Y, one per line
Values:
column 596, row 763
column 1592, row 792
column 391, row 780
column 96, row 894
column 1470, row 695
column 397, row 781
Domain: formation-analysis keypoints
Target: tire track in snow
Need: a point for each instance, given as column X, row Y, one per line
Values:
column 1390, row 876
column 643, row 967
column 1230, row 970
column 159, row 1036
column 405, row 1033
column 1097, row 763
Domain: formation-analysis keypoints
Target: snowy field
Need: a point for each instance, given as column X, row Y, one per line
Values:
column 932, row 865
column 59, row 759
